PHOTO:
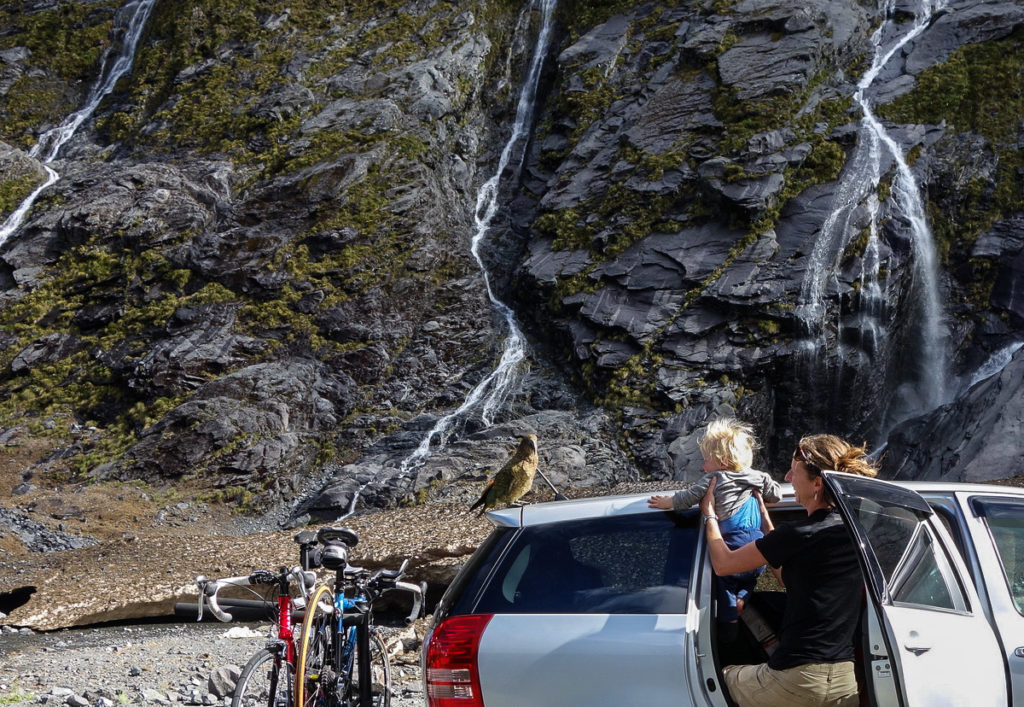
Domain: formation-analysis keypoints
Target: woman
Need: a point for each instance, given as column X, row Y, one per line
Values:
column 813, row 661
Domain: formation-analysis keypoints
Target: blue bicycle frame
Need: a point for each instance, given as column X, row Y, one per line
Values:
column 354, row 633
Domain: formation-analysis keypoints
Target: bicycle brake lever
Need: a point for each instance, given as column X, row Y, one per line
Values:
column 307, row 579
column 201, row 582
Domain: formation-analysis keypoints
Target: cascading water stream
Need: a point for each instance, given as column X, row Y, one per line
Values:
column 993, row 366
column 490, row 393
column 856, row 199
column 50, row 142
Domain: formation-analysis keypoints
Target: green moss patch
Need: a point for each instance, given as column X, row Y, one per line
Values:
column 80, row 386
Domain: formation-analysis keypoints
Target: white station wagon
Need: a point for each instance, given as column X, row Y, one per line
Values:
column 604, row 601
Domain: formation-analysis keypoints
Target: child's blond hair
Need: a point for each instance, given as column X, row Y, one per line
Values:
column 729, row 442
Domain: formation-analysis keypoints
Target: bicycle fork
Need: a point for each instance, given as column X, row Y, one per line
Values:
column 358, row 615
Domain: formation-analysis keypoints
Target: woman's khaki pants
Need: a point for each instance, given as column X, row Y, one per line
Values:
column 814, row 685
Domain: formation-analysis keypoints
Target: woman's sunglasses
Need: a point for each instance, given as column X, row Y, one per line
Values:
column 798, row 455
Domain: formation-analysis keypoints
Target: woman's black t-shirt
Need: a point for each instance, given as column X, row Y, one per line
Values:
column 823, row 589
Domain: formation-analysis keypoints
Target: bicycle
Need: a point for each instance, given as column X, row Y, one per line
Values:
column 342, row 660
column 268, row 677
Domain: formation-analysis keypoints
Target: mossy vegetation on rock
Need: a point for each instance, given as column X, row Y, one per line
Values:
column 306, row 240
column 285, row 191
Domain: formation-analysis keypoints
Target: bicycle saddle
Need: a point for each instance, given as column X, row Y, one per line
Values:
column 305, row 537
column 329, row 535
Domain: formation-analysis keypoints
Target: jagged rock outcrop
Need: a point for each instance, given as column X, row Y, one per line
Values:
column 976, row 438
column 674, row 224
column 254, row 275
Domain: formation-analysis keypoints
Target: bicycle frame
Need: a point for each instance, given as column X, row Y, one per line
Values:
column 285, row 634
column 353, row 630
column 342, row 617
column 283, row 648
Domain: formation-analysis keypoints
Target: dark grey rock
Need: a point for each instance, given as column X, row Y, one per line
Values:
column 39, row 538
column 968, row 22
column 601, row 46
column 971, row 439
column 48, row 349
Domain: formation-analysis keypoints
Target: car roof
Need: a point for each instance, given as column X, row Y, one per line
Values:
column 607, row 506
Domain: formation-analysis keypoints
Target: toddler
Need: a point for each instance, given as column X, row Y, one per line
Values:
column 728, row 450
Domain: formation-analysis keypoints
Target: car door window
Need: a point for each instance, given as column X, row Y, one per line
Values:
column 1005, row 521
column 914, row 567
column 924, row 576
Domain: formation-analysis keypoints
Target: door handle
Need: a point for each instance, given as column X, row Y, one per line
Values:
column 1019, row 652
column 916, row 644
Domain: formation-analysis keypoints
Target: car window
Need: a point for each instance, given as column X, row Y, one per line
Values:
column 1005, row 520
column 943, row 508
column 914, row 566
column 926, row 577
column 635, row 564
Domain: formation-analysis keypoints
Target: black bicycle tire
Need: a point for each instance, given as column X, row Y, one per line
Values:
column 276, row 682
column 315, row 633
column 381, row 690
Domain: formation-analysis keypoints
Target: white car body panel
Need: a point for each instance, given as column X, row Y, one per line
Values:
column 946, row 659
column 991, row 582
column 584, row 659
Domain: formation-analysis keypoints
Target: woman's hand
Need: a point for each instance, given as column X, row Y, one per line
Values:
column 662, row 502
column 707, row 504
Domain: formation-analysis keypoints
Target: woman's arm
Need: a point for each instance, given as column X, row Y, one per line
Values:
column 766, row 527
column 766, row 520
column 725, row 560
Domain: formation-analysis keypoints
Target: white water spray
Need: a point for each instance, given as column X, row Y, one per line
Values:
column 490, row 394
column 993, row 366
column 859, row 186
column 50, row 142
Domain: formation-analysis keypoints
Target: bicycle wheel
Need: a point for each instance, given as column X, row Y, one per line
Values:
column 380, row 674
column 314, row 663
column 266, row 681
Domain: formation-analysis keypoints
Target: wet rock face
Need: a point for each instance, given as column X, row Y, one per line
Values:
column 255, row 269
column 973, row 439
column 672, row 228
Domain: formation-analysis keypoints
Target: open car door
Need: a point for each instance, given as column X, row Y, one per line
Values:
column 934, row 631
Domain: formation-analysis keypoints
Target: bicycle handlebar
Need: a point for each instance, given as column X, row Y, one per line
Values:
column 208, row 594
column 208, row 588
column 417, row 591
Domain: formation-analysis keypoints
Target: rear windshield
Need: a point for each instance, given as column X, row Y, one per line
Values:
column 635, row 564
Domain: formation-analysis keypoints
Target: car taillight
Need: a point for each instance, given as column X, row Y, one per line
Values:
column 453, row 679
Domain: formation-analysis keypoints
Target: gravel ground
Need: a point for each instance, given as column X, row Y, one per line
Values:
column 158, row 664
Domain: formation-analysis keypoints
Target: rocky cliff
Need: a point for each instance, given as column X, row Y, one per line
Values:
column 253, row 281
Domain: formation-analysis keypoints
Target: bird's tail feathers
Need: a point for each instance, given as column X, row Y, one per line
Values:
column 483, row 498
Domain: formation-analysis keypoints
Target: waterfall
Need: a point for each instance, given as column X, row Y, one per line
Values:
column 113, row 66
column 992, row 366
column 490, row 393
column 856, row 210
